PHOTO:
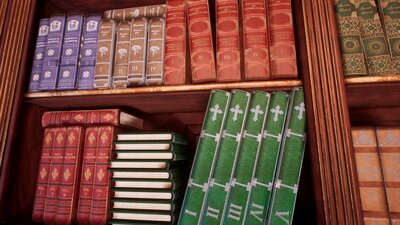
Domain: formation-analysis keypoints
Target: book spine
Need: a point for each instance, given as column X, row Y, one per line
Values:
column 155, row 52
column 219, row 183
column 175, row 43
column 89, row 51
column 241, row 181
column 138, row 50
column 43, row 175
column 105, row 54
column 264, row 175
column 69, row 185
column 101, row 182
column 56, row 166
column 51, row 59
column 255, row 40
column 373, row 39
column 70, row 53
column 40, row 49
column 87, row 175
column 200, row 41
column 290, row 161
column 109, row 117
column 389, row 151
column 123, row 33
column 205, row 157
column 135, row 12
column 281, row 37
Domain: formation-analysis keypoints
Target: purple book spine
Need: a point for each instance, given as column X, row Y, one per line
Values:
column 89, row 50
column 37, row 64
column 70, row 53
column 51, row 61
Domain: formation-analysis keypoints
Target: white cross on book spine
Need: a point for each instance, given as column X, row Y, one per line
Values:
column 215, row 110
column 301, row 110
column 257, row 111
column 236, row 111
column 277, row 111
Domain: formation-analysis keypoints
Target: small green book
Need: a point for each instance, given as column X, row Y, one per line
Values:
column 152, row 136
column 289, row 166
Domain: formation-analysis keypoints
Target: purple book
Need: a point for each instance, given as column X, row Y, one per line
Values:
column 51, row 61
column 37, row 64
column 70, row 53
column 88, row 53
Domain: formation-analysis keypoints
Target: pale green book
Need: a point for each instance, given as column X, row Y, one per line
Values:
column 205, row 157
column 289, row 166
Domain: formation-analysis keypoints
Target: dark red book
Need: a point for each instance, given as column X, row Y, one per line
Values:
column 43, row 175
column 69, row 185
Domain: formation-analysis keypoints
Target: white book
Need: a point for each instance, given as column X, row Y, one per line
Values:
column 142, row 195
column 144, row 155
column 142, row 206
column 139, row 165
column 138, row 175
column 142, row 184
column 141, row 216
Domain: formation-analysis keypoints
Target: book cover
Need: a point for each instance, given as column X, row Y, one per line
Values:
column 51, row 59
column 205, row 157
column 150, row 193
column 128, row 14
column 145, row 183
column 142, row 216
column 147, row 173
column 138, row 51
column 152, row 136
column 144, row 164
column 130, row 222
column 122, row 46
column 88, row 52
column 155, row 52
column 40, row 49
column 143, row 154
column 150, row 146
column 145, row 204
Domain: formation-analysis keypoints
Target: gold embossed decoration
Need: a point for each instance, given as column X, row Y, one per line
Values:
column 43, row 173
column 71, row 138
column 108, row 117
column 48, row 139
column 60, row 138
column 88, row 174
column 100, row 175
column 54, row 174
column 67, row 174
column 91, row 138
column 78, row 117
column 104, row 137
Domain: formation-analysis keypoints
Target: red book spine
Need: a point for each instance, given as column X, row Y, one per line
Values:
column 281, row 35
column 255, row 40
column 228, row 40
column 86, row 188
column 175, row 43
column 101, row 183
column 56, row 166
column 43, row 175
column 68, row 192
column 200, row 41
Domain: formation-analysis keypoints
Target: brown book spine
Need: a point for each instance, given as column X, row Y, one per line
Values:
column 200, row 41
column 281, row 37
column 370, row 180
column 175, row 43
column 69, row 186
column 105, row 54
column 135, row 12
column 120, row 79
column 155, row 52
column 138, row 50
column 389, row 149
column 43, row 175
column 56, row 166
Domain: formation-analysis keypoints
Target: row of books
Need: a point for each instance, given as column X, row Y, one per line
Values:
column 369, row 36
column 248, row 160
column 377, row 157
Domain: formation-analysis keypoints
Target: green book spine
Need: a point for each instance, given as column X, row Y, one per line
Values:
column 245, row 163
column 227, row 154
column 373, row 39
column 290, row 162
column 260, row 194
column 349, row 38
column 390, row 10
column 204, row 158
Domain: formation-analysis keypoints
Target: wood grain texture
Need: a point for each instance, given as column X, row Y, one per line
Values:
column 375, row 116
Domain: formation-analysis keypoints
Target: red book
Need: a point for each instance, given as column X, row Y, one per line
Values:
column 87, row 175
column 68, row 191
column 43, row 175
column 255, row 40
column 200, row 41
column 282, row 42
column 56, row 166
column 228, row 40
column 175, row 43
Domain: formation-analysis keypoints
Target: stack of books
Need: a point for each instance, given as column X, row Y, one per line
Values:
column 148, row 177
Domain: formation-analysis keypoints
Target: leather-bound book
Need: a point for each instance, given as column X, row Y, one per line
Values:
column 137, row 54
column 123, row 33
column 128, row 14
column 155, row 52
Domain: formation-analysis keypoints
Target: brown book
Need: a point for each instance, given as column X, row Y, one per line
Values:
column 370, row 180
column 135, row 12
column 155, row 52
column 122, row 45
column 105, row 54
column 389, row 148
column 138, row 50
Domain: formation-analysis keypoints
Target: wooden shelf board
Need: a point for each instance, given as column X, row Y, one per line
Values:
column 371, row 79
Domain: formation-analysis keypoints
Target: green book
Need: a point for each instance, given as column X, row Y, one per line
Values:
column 204, row 158
column 227, row 154
column 349, row 38
column 152, row 136
column 241, row 182
column 263, row 179
column 391, row 20
column 373, row 38
column 291, row 159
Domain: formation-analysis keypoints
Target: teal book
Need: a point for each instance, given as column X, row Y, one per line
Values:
column 291, row 159
column 152, row 136
column 260, row 194
column 227, row 153
column 241, row 182
column 204, row 158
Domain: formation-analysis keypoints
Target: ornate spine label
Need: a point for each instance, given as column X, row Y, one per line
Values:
column 138, row 50
column 155, row 52
column 81, row 117
column 120, row 79
column 130, row 13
